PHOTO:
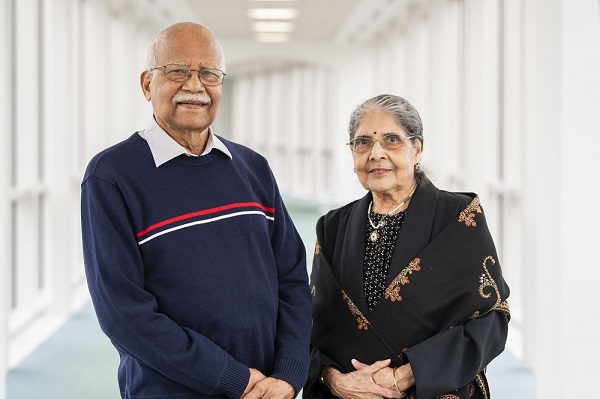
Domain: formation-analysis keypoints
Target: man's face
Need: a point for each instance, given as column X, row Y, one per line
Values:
column 190, row 106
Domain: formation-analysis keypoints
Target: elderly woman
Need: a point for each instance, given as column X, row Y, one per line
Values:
column 408, row 294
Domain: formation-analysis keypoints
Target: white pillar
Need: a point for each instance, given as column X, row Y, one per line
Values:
column 561, row 114
column 5, row 90
column 542, row 186
column 57, row 153
column 580, row 190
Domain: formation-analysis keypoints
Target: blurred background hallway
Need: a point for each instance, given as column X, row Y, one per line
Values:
column 508, row 90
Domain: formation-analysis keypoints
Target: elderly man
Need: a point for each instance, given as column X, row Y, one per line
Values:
column 196, row 272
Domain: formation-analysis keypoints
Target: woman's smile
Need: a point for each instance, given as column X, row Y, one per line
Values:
column 379, row 171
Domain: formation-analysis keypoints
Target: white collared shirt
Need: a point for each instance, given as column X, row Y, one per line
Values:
column 164, row 147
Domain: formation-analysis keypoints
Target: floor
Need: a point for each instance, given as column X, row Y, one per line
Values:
column 78, row 362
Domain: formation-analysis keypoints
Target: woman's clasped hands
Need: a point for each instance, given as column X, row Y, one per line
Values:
column 374, row 381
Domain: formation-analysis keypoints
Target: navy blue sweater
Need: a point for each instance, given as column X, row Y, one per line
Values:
column 196, row 271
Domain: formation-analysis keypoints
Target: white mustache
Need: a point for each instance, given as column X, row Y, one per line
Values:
column 191, row 97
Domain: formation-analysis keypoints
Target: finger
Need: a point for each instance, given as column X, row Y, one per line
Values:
column 258, row 391
column 279, row 391
column 382, row 363
column 378, row 365
column 252, row 394
column 358, row 365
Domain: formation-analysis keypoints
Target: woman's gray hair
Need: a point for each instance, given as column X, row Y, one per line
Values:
column 403, row 113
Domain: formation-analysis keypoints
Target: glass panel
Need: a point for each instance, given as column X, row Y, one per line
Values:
column 40, row 96
column 13, row 256
column 41, row 205
column 501, row 139
column 13, row 94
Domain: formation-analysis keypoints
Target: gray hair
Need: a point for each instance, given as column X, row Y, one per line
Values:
column 151, row 50
column 403, row 112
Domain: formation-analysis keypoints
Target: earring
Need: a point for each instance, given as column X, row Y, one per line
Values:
column 417, row 165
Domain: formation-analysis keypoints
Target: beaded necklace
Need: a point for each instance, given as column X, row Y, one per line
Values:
column 374, row 236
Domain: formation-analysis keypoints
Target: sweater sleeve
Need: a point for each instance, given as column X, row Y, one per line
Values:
column 128, row 314
column 452, row 358
column 295, row 302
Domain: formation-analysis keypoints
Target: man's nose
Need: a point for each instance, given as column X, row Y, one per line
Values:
column 194, row 84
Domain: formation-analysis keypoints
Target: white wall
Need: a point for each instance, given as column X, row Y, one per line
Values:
column 579, row 145
column 564, row 60
column 542, row 52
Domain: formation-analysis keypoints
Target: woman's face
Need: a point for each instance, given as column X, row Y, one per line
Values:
column 381, row 170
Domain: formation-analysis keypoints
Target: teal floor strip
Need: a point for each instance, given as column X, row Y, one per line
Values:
column 77, row 362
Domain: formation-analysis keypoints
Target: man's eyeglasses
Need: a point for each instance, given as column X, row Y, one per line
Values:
column 182, row 73
column 389, row 142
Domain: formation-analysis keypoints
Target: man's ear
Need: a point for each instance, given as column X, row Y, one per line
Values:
column 145, row 79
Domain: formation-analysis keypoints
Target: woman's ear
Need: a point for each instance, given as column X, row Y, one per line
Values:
column 418, row 150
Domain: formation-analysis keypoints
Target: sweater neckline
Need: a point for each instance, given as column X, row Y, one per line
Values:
column 189, row 160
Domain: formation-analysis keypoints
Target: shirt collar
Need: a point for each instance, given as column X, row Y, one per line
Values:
column 164, row 147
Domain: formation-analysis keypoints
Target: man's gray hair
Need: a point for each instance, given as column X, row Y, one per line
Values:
column 150, row 53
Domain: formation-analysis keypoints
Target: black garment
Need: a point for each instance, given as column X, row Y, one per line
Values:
column 378, row 254
column 440, row 276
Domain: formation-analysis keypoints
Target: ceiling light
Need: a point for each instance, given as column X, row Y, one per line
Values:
column 272, row 37
column 272, row 13
column 272, row 26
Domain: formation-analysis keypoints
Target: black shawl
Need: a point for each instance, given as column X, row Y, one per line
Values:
column 444, row 271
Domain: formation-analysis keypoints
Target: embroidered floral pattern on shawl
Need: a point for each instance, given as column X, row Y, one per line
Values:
column 480, row 380
column 467, row 216
column 392, row 292
column 363, row 323
column 486, row 280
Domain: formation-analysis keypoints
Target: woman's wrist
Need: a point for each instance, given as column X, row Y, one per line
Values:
column 395, row 380
column 326, row 373
column 328, row 378
column 403, row 377
column 322, row 375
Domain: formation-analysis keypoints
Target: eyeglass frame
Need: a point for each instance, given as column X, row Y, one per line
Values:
column 373, row 141
column 190, row 74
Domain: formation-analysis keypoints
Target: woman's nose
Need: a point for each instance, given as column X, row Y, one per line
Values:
column 377, row 151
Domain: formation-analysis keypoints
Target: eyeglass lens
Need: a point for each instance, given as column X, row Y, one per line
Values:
column 181, row 73
column 363, row 144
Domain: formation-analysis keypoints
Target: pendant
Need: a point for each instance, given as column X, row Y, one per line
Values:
column 374, row 236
